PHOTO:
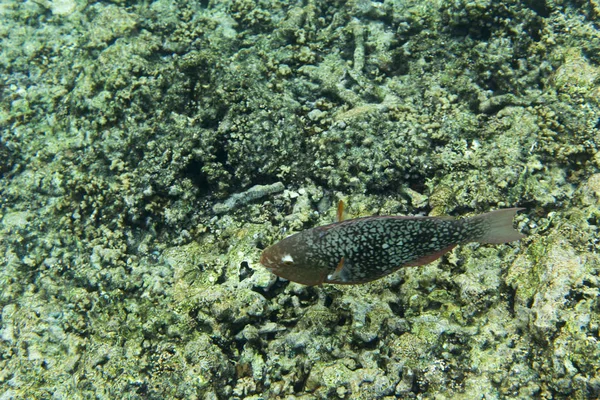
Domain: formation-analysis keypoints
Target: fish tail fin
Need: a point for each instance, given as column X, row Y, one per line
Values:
column 498, row 226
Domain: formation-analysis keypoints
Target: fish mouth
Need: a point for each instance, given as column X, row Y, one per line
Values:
column 263, row 259
column 267, row 263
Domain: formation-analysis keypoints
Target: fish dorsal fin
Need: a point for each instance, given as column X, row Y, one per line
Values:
column 340, row 211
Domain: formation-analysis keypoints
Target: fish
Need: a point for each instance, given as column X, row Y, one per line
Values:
column 361, row 250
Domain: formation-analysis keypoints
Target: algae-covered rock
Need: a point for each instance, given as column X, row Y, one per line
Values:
column 151, row 151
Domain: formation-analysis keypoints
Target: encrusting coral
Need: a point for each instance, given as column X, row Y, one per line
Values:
column 124, row 124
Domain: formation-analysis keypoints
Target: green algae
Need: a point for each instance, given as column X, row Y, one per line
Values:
column 124, row 124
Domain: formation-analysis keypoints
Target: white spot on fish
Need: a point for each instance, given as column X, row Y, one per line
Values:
column 287, row 259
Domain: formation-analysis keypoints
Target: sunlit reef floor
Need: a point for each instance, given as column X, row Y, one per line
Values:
column 134, row 136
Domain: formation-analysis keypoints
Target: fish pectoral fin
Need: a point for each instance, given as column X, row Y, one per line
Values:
column 339, row 275
column 430, row 257
column 340, row 266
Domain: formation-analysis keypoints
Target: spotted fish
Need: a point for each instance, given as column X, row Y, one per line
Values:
column 361, row 250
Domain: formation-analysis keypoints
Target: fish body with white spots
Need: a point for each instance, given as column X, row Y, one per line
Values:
column 364, row 249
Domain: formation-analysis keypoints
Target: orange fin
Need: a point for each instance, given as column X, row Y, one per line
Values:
column 337, row 274
column 340, row 212
column 430, row 258
column 340, row 266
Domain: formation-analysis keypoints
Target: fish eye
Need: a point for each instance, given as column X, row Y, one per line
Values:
column 287, row 260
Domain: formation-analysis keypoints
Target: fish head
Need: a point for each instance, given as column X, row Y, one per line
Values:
column 290, row 259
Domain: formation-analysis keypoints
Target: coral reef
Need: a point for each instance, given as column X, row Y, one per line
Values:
column 150, row 150
column 239, row 199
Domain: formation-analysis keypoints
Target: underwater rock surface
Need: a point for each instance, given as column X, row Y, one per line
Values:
column 124, row 124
